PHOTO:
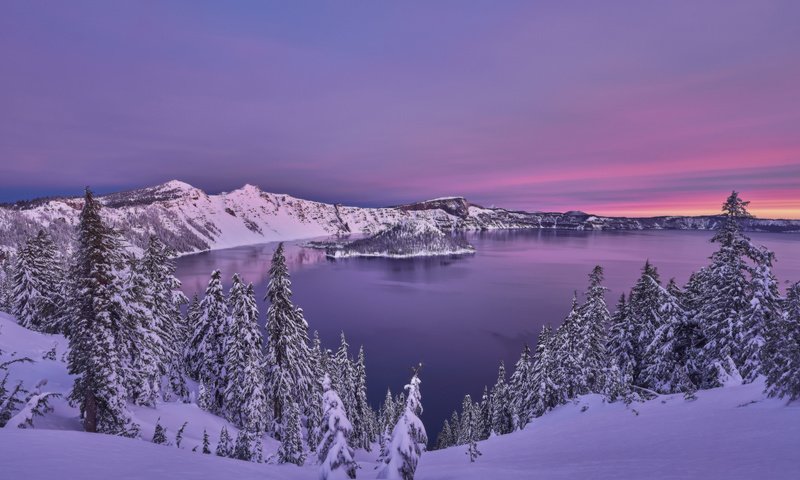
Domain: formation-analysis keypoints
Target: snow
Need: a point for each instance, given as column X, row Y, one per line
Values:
column 728, row 433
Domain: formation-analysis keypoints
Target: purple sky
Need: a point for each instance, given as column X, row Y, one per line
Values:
column 609, row 107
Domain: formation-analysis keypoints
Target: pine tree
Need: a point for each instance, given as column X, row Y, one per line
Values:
column 592, row 331
column 291, row 449
column 502, row 420
column 205, row 353
column 288, row 354
column 245, row 401
column 95, row 327
column 521, row 386
column 344, row 374
column 242, row 446
column 455, row 427
column 643, row 315
column 764, row 311
column 622, row 342
column 206, row 443
column 470, row 415
column 545, row 391
column 781, row 352
column 485, row 414
column 672, row 356
column 568, row 372
column 363, row 412
column 160, row 434
column 224, row 446
column 335, row 455
column 386, row 421
column 445, row 437
column 725, row 296
column 408, row 437
column 314, row 410
column 37, row 284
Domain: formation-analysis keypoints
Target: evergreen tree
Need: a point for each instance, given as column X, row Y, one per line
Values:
column 160, row 434
column 242, row 449
column 179, row 435
column 546, row 390
column 569, row 373
column 205, row 353
column 592, row 331
column 314, row 411
column 291, row 449
column 643, row 315
column 408, row 437
column 95, row 327
column 363, row 412
column 764, row 311
column 521, row 386
column 725, row 296
column 470, row 415
column 335, row 455
column 36, row 284
column 502, row 415
column 288, row 354
column 455, row 428
column 206, row 443
column 344, row 374
column 485, row 414
column 224, row 446
column 781, row 352
column 245, row 393
column 622, row 341
column 445, row 437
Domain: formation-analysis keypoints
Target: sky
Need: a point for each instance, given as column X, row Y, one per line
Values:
column 615, row 108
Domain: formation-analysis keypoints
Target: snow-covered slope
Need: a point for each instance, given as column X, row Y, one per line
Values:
column 729, row 433
column 189, row 220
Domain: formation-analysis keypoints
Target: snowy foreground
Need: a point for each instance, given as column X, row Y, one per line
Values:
column 727, row 433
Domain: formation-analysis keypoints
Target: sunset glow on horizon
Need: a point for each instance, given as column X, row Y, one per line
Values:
column 626, row 108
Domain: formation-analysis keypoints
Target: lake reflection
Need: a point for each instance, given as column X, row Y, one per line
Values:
column 460, row 316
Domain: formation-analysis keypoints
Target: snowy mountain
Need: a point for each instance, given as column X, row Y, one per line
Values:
column 190, row 220
column 728, row 433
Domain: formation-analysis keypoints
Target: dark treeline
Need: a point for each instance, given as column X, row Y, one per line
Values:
column 130, row 343
column 729, row 323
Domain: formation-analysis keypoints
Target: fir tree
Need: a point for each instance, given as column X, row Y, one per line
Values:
column 546, row 390
column 335, row 455
column 288, row 354
column 314, row 410
column 521, row 386
column 569, row 373
column 205, row 353
column 485, row 414
column 363, row 412
column 344, row 374
column 445, row 437
column 245, row 396
column 643, row 315
column 95, row 327
column 291, row 449
column 781, row 352
column 592, row 331
column 502, row 421
column 224, row 446
column 36, row 284
column 242, row 446
column 470, row 415
column 764, row 311
column 160, row 434
column 206, row 443
column 725, row 297
column 408, row 437
column 622, row 341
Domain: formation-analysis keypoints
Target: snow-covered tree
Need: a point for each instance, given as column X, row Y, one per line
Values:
column 179, row 435
column 521, row 388
column 469, row 432
column 291, row 449
column 205, row 352
column 335, row 455
column 546, row 392
column 622, row 341
column 764, row 311
column 502, row 413
column 643, row 305
column 242, row 447
column 96, row 325
column 160, row 434
column 245, row 401
column 289, row 358
column 725, row 297
column 569, row 373
column 781, row 352
column 206, row 443
column 445, row 437
column 36, row 284
column 224, row 445
column 362, row 425
column 408, row 437
column 344, row 374
column 592, row 331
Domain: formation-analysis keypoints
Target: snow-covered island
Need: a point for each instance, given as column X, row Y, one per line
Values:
column 404, row 240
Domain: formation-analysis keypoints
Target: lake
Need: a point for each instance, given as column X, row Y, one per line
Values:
column 461, row 316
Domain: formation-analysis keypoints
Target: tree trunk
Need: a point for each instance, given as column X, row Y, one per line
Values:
column 90, row 408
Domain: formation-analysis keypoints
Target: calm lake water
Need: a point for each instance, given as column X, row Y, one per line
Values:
column 462, row 316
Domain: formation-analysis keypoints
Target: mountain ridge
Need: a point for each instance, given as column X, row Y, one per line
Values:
column 190, row 220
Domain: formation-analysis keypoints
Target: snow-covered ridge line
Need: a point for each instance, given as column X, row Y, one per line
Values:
column 190, row 220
